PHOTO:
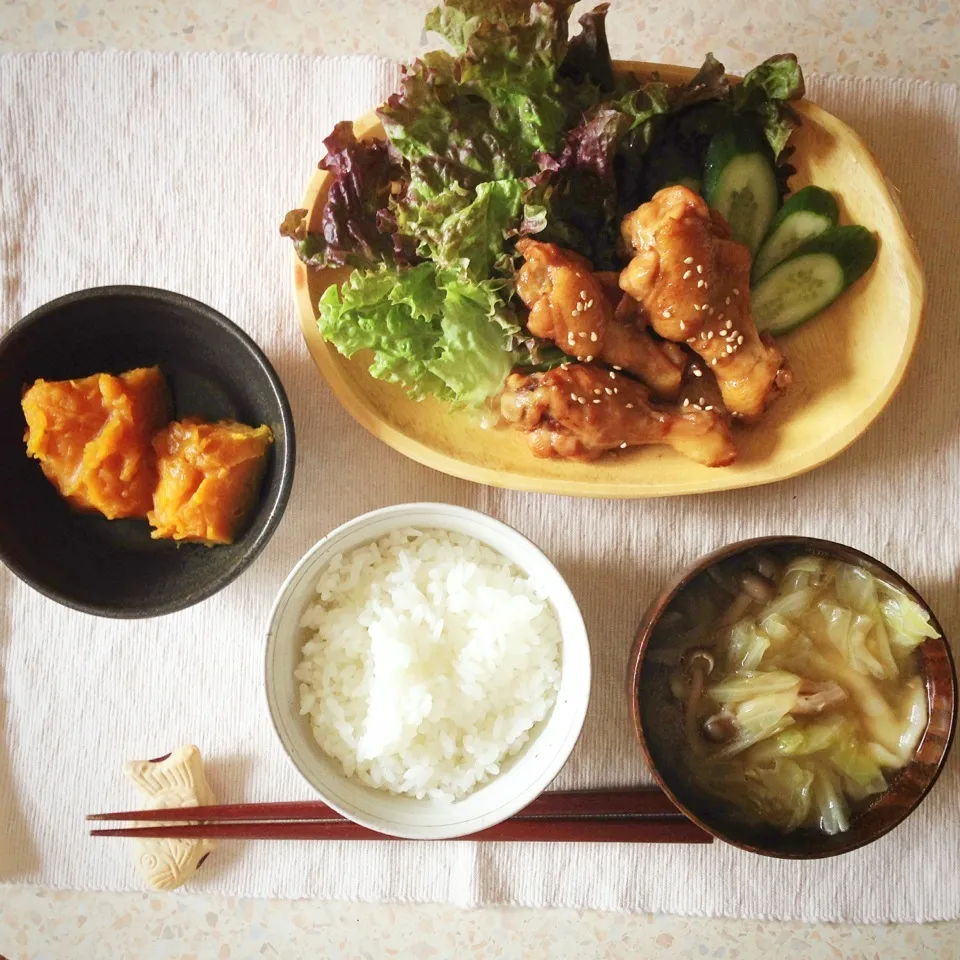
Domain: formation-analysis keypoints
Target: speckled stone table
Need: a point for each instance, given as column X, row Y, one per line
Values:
column 898, row 37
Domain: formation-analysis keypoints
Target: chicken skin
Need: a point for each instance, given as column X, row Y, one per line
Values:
column 582, row 410
column 694, row 282
column 569, row 306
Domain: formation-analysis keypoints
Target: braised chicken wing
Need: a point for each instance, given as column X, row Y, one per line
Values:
column 569, row 306
column 694, row 282
column 582, row 410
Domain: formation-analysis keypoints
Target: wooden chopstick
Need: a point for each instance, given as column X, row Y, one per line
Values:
column 538, row 830
column 594, row 816
column 586, row 804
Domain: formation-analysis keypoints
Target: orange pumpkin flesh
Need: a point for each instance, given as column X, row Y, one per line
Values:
column 209, row 478
column 93, row 438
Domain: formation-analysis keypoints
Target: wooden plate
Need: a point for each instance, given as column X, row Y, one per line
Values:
column 847, row 363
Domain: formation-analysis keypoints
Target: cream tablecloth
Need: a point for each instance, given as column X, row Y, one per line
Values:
column 174, row 171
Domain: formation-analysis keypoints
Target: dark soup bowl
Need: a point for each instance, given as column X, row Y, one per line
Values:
column 681, row 648
column 113, row 568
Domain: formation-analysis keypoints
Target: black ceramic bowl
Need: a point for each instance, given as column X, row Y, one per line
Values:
column 112, row 568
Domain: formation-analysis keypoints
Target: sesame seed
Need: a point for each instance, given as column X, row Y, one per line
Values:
column 581, row 400
column 696, row 307
column 727, row 301
column 608, row 391
column 629, row 406
column 736, row 292
column 583, row 294
column 593, row 338
column 740, row 339
column 730, row 348
column 706, row 286
column 588, row 359
column 720, row 317
column 582, row 334
column 686, row 402
column 596, row 401
column 588, row 304
column 734, row 333
column 710, row 310
column 699, row 283
column 597, row 390
column 683, row 326
column 697, row 372
column 613, row 376
column 709, row 334
column 687, row 274
column 623, row 446
column 615, row 367
column 571, row 339
column 713, row 362
column 564, row 366
column 688, row 260
column 708, row 407
column 702, row 401
column 728, row 324
column 691, row 339
column 699, row 268
column 616, row 390
column 666, row 314
column 573, row 397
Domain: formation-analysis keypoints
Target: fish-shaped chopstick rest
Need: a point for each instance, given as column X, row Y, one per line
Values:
column 176, row 780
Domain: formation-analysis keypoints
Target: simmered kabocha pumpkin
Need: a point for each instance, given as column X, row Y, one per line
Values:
column 210, row 476
column 93, row 438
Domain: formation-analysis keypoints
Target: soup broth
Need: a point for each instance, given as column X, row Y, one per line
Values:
column 799, row 685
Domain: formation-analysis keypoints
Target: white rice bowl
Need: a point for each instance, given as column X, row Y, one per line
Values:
column 429, row 661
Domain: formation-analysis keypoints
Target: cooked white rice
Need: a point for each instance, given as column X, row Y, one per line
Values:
column 429, row 661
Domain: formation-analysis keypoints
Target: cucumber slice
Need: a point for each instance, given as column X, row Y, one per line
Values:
column 739, row 182
column 812, row 277
column 808, row 213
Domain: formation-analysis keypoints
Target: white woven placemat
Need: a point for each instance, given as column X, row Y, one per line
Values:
column 174, row 171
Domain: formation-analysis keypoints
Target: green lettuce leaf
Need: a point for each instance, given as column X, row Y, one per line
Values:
column 463, row 228
column 457, row 21
column 580, row 187
column 430, row 330
column 474, row 349
column 470, row 126
column 765, row 91
column 484, row 113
